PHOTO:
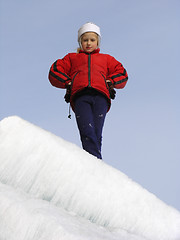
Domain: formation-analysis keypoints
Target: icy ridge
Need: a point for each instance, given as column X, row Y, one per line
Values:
column 47, row 167
column 25, row 218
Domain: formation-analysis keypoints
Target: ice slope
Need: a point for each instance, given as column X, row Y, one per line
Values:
column 25, row 218
column 52, row 189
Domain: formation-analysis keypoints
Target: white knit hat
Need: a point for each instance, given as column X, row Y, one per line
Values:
column 89, row 27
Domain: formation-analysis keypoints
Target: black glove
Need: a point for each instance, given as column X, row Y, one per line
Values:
column 68, row 93
column 112, row 92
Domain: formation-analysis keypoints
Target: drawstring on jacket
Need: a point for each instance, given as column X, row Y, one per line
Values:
column 69, row 116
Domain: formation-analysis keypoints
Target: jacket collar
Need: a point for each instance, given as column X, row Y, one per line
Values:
column 95, row 51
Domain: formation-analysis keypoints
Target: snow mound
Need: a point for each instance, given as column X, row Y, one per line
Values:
column 44, row 178
column 23, row 218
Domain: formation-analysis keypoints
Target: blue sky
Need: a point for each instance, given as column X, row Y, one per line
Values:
column 142, row 132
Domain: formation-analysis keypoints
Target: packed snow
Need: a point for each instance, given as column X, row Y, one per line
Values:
column 52, row 189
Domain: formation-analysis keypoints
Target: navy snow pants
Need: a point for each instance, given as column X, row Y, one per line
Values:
column 90, row 112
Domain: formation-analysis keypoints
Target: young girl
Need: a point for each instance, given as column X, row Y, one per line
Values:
column 90, row 78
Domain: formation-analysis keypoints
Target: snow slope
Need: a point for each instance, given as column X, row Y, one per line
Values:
column 52, row 189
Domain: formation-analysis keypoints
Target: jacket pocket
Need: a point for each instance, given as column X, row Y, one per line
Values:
column 105, row 80
column 74, row 78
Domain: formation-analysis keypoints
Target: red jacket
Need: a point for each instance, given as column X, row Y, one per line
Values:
column 87, row 70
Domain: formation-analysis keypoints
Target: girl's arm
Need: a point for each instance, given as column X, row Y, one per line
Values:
column 117, row 74
column 59, row 72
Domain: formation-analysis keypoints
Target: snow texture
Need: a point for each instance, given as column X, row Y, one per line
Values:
column 52, row 189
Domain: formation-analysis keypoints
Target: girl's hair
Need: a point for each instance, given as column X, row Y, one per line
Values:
column 98, row 42
column 78, row 49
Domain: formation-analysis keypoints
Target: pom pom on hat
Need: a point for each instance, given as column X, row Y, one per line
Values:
column 88, row 27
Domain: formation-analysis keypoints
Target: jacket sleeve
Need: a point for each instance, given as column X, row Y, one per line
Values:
column 59, row 72
column 117, row 74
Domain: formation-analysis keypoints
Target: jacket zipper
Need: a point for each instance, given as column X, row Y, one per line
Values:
column 89, row 70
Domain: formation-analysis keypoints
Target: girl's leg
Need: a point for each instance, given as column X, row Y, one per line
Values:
column 85, row 122
column 100, row 108
column 90, row 113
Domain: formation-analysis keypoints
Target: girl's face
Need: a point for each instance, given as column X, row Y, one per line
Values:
column 89, row 41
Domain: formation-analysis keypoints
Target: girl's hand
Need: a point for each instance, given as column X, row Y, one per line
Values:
column 112, row 92
column 68, row 93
